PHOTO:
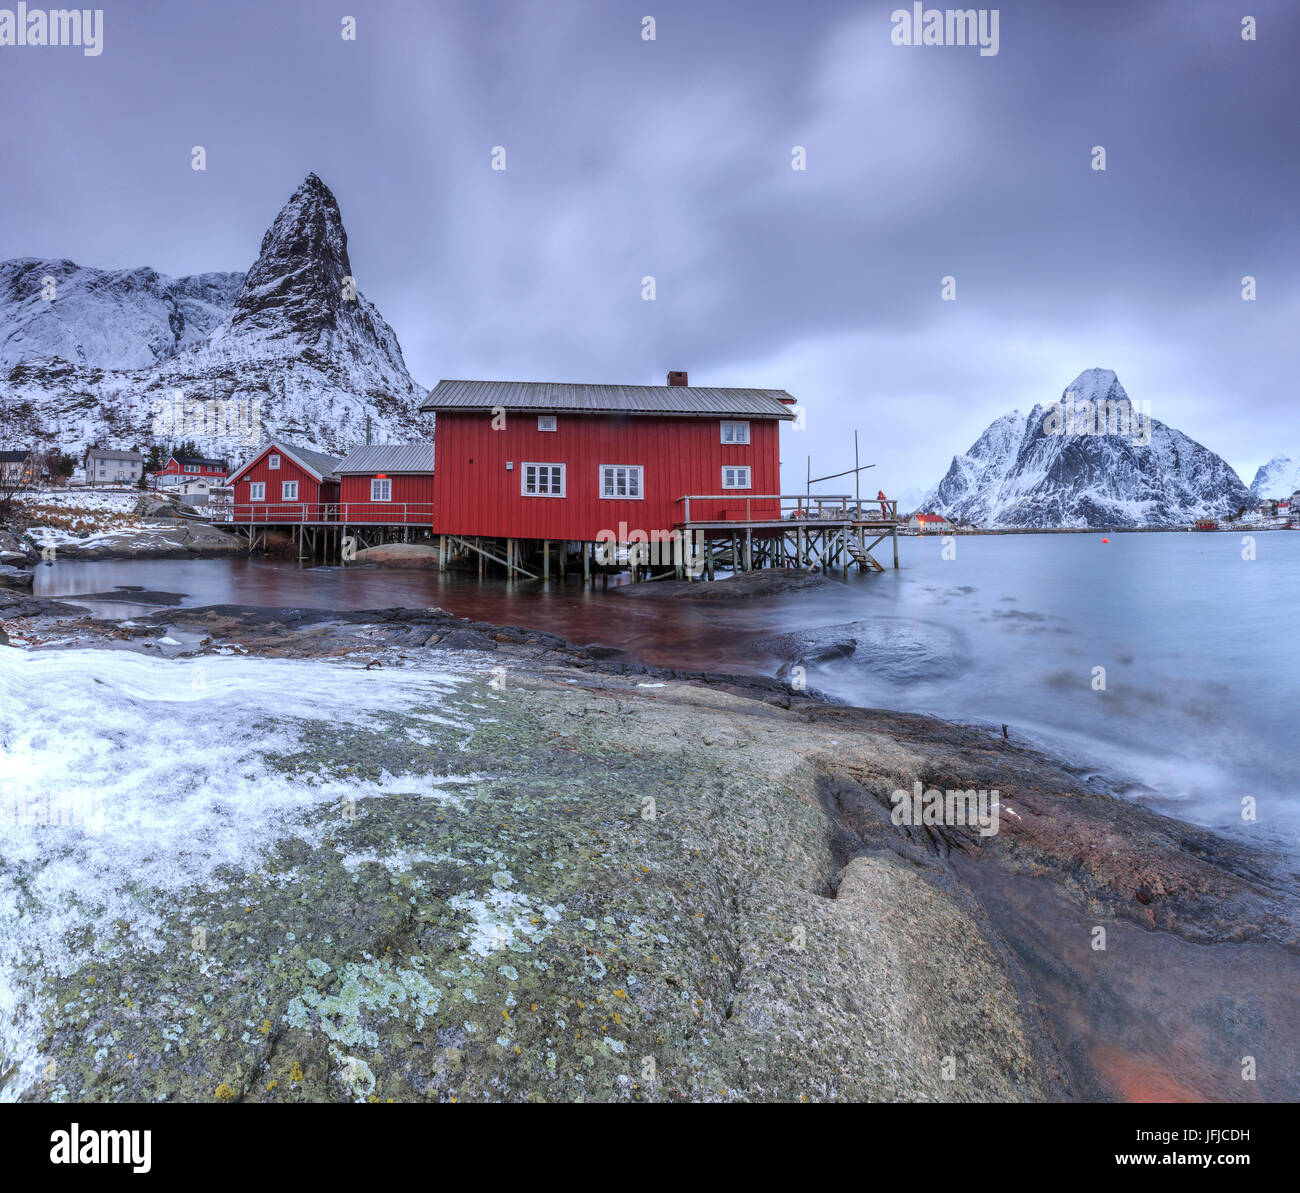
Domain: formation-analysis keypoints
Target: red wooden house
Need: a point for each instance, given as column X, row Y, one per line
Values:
column 535, row 460
column 387, row 485
column 285, row 483
column 188, row 468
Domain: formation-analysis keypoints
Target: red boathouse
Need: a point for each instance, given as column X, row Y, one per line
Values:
column 390, row 485
column 285, row 483
column 545, row 461
column 179, row 469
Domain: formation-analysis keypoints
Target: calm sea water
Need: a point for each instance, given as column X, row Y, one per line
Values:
column 1200, row 647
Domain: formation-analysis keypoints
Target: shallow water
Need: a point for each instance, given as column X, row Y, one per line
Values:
column 1201, row 648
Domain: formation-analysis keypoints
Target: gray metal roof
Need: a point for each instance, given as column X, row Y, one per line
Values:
column 103, row 453
column 688, row 400
column 318, row 462
column 200, row 460
column 389, row 457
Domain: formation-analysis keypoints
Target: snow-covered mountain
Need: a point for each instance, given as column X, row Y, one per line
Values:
column 125, row 319
column 1279, row 478
column 290, row 348
column 1092, row 459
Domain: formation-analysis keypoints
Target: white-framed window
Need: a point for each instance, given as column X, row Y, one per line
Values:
column 542, row 480
column 622, row 481
column 735, row 478
column 257, row 490
column 735, row 432
column 288, row 490
column 546, row 422
column 273, row 461
column 381, row 489
column 191, row 468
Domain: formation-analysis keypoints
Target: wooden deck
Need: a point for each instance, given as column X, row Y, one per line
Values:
column 808, row 532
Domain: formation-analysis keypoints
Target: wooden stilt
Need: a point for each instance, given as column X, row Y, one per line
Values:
column 546, row 560
column 442, row 553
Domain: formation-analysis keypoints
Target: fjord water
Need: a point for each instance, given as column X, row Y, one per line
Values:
column 1200, row 646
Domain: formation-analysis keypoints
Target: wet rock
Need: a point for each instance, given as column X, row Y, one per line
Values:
column 400, row 555
column 466, row 639
column 900, row 650
column 13, row 577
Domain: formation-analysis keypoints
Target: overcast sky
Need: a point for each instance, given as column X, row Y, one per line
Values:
column 672, row 158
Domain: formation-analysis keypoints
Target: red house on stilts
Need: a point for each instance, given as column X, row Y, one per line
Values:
column 536, row 460
column 531, row 472
column 285, row 484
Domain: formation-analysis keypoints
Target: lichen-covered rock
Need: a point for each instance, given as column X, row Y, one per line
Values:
column 574, row 880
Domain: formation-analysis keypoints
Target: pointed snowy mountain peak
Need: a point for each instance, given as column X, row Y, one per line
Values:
column 1094, row 384
column 301, row 280
column 293, row 344
column 1090, row 459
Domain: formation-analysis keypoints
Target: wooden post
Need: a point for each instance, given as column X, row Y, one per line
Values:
column 546, row 560
column 510, row 559
column 586, row 563
column 442, row 553
column 749, row 549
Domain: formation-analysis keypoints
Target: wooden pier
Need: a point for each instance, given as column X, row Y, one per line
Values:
column 813, row 533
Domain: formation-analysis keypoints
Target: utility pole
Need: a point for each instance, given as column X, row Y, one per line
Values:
column 857, row 477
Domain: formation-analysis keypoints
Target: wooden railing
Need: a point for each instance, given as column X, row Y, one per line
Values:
column 792, row 507
column 294, row 512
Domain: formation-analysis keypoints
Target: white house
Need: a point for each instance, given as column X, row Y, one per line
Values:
column 107, row 467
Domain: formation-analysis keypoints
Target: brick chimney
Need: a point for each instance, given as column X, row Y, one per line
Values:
column 676, row 378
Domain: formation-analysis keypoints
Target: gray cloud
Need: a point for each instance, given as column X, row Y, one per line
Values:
column 672, row 158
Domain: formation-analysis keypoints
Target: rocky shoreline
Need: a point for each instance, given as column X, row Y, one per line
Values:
column 711, row 880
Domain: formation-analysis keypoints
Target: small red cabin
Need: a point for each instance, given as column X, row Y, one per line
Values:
column 387, row 484
column 286, row 483
column 536, row 460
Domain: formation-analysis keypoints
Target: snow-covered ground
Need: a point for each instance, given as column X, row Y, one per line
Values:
column 126, row 781
column 78, row 518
